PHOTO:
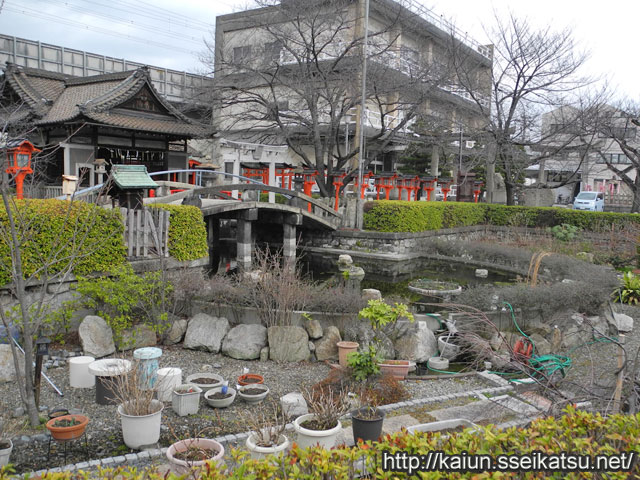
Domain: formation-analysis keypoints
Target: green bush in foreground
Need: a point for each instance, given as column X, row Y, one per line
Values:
column 576, row 433
column 56, row 235
column 402, row 216
column 187, row 232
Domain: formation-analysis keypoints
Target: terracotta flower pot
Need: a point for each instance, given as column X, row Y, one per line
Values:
column 397, row 368
column 70, row 432
column 344, row 349
column 250, row 379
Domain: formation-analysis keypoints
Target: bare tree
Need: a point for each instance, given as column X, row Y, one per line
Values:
column 36, row 272
column 615, row 139
column 534, row 70
column 302, row 88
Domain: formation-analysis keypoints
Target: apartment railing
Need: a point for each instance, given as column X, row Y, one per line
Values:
column 446, row 26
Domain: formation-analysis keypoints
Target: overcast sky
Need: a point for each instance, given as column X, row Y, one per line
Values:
column 171, row 34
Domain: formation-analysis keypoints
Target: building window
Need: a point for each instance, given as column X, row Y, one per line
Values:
column 272, row 51
column 614, row 158
column 241, row 54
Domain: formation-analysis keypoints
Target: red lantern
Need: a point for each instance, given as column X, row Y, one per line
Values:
column 19, row 154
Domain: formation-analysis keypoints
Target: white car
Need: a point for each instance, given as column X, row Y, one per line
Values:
column 593, row 201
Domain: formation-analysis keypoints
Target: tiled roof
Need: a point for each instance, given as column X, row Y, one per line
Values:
column 55, row 98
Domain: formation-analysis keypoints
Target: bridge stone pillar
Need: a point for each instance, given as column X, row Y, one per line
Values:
column 213, row 240
column 244, row 239
column 289, row 238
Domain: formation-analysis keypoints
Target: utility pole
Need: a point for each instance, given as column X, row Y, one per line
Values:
column 363, row 99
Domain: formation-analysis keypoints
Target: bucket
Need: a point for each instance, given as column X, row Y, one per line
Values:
column 147, row 358
column 106, row 371
column 168, row 379
column 79, row 376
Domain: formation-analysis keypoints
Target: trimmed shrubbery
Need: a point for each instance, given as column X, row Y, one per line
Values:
column 402, row 216
column 575, row 433
column 57, row 233
column 187, row 232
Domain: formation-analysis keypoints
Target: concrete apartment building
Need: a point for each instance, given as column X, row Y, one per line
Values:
column 273, row 63
column 590, row 155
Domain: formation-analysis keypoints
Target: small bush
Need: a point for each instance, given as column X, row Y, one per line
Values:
column 57, row 234
column 187, row 232
column 564, row 232
column 402, row 216
column 629, row 291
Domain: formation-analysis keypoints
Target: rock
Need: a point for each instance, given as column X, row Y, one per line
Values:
column 96, row 337
column 264, row 354
column 543, row 347
column 288, row 344
column 624, row 323
column 17, row 412
column 599, row 325
column 314, row 328
column 138, row 337
column 312, row 346
column 371, row 294
column 361, row 332
column 245, row 341
column 176, row 332
column 345, row 260
column 206, row 333
column 482, row 272
column 326, row 348
column 293, row 405
column 355, row 273
column 540, row 328
column 417, row 344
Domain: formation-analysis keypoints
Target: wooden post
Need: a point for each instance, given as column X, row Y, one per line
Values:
column 618, row 391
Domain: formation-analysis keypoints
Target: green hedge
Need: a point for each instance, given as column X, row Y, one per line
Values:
column 52, row 232
column 574, row 433
column 187, row 232
column 402, row 216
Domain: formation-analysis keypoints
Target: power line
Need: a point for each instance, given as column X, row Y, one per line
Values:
column 46, row 16
column 132, row 23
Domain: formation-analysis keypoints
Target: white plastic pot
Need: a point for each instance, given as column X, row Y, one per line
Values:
column 204, row 443
column 306, row 438
column 79, row 376
column 186, row 403
column 259, row 452
column 168, row 379
column 5, row 453
column 141, row 431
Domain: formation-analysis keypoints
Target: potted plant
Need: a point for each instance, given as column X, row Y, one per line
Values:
column 218, row 398
column 6, row 446
column 195, row 452
column 366, row 422
column 250, row 379
column 397, row 368
column 321, row 425
column 267, row 425
column 185, row 399
column 253, row 393
column 140, row 414
column 205, row 381
column 344, row 349
column 67, row 427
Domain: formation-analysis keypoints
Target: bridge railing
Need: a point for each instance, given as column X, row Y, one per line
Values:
column 250, row 192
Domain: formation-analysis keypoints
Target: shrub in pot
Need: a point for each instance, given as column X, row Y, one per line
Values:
column 195, row 452
column 367, row 423
column 140, row 414
column 322, row 424
column 267, row 425
column 6, row 446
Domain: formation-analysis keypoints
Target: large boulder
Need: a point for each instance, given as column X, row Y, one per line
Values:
column 96, row 337
column 244, row 342
column 326, row 348
column 7, row 368
column 138, row 337
column 417, row 343
column 288, row 344
column 176, row 332
column 206, row 333
column 362, row 333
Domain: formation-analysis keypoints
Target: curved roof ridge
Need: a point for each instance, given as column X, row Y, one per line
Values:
column 120, row 93
column 20, row 83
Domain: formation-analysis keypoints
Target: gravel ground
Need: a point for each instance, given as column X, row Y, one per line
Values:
column 104, row 434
